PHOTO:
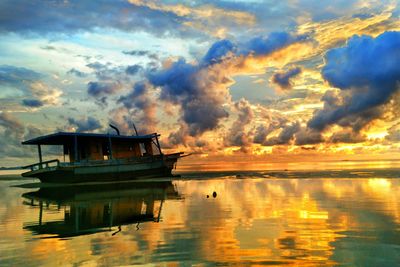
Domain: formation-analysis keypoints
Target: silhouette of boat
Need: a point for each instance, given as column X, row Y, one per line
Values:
column 90, row 209
column 101, row 157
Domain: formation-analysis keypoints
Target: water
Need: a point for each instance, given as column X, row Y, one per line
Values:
column 325, row 218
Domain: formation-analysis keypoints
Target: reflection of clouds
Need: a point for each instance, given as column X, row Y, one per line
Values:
column 304, row 222
column 279, row 218
column 260, row 214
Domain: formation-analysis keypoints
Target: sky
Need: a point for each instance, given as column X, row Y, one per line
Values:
column 237, row 81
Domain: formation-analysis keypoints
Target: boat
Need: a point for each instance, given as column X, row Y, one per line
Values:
column 95, row 157
column 82, row 209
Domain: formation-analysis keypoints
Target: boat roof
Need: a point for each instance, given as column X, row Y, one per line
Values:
column 62, row 138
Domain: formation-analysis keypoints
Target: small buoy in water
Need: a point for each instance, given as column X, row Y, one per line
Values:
column 208, row 196
column 214, row 194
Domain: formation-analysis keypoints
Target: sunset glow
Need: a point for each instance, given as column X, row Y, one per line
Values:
column 223, row 80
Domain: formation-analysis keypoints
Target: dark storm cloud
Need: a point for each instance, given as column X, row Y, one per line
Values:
column 394, row 133
column 273, row 122
column 48, row 47
column 217, row 51
column 97, row 89
column 142, row 53
column 35, row 92
column 85, row 125
column 367, row 71
column 307, row 136
column 188, row 85
column 17, row 76
column 284, row 79
column 347, row 136
column 12, row 132
column 107, row 72
column 201, row 89
column 285, row 136
column 66, row 17
column 141, row 106
column 97, row 66
column 33, row 103
column 290, row 132
column 77, row 73
column 237, row 135
column 132, row 99
column 11, row 123
column 264, row 45
column 133, row 69
column 261, row 134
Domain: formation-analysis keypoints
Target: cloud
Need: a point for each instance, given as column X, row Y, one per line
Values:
column 284, row 79
column 218, row 51
column 68, row 17
column 204, row 18
column 141, row 106
column 29, row 84
column 367, row 72
column 98, row 89
column 12, row 133
column 237, row 135
column 8, row 121
column 133, row 69
column 307, row 136
column 142, row 53
column 394, row 133
column 85, row 125
column 33, row 103
column 264, row 45
column 347, row 136
column 198, row 92
column 77, row 73
column 285, row 136
column 201, row 88
column 18, row 76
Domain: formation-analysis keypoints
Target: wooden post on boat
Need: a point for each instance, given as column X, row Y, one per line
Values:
column 110, row 147
column 40, row 212
column 40, row 156
column 76, row 148
column 158, row 144
column 76, row 219
column 110, row 205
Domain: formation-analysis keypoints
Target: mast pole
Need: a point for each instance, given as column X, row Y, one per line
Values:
column 134, row 127
column 158, row 144
column 110, row 147
column 40, row 154
column 76, row 148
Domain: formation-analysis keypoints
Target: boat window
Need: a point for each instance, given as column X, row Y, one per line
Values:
column 155, row 149
column 142, row 149
column 105, row 151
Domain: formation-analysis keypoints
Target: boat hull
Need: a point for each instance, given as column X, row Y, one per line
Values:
column 101, row 173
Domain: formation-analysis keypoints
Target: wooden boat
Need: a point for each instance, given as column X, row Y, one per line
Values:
column 93, row 157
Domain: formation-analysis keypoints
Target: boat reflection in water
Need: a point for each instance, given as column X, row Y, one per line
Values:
column 96, row 208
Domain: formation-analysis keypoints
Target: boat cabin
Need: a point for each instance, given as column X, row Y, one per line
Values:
column 83, row 147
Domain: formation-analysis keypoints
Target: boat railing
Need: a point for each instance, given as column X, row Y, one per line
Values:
column 56, row 162
column 43, row 165
column 133, row 160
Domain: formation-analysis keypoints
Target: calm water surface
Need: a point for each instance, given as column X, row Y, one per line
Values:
column 346, row 218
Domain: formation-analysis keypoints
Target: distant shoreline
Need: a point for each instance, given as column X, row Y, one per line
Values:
column 10, row 168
